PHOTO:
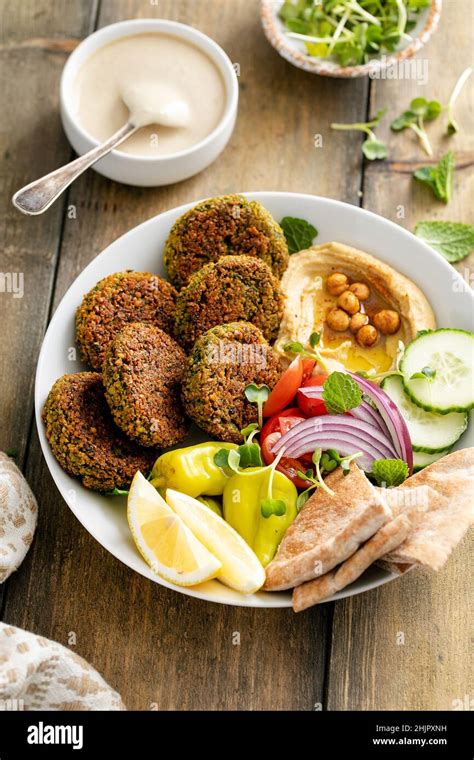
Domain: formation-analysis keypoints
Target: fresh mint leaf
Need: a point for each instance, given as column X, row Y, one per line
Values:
column 389, row 473
column 298, row 232
column 444, row 177
column 341, row 393
column 453, row 240
column 438, row 178
column 314, row 339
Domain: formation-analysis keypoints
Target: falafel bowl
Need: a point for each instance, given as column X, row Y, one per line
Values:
column 242, row 399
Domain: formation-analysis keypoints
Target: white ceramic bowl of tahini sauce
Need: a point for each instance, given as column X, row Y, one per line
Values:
column 178, row 58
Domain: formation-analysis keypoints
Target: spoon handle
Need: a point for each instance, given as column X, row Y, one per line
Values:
column 39, row 195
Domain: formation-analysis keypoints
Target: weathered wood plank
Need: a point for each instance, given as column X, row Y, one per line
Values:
column 153, row 645
column 408, row 645
column 31, row 143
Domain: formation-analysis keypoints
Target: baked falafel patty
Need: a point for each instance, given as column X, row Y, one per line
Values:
column 142, row 373
column 84, row 438
column 116, row 300
column 234, row 288
column 229, row 224
column 222, row 363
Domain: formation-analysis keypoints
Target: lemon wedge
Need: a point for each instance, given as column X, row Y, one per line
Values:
column 240, row 569
column 167, row 545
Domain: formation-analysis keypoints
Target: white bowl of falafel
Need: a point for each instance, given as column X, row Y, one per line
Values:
column 170, row 324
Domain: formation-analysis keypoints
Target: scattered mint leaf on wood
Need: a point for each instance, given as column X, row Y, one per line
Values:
column 389, row 473
column 439, row 177
column 341, row 393
column 453, row 240
column 298, row 232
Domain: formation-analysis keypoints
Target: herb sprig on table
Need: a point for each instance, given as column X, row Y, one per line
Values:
column 439, row 178
column 372, row 147
column 353, row 31
column 453, row 240
column 420, row 111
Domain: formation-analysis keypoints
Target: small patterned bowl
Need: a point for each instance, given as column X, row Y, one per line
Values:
column 292, row 50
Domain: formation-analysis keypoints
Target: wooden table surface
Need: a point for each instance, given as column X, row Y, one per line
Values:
column 402, row 646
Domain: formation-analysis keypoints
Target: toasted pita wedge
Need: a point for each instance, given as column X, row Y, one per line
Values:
column 327, row 530
column 387, row 538
column 440, row 502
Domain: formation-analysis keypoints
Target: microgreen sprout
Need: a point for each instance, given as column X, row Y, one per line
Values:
column 420, row 111
column 372, row 147
column 452, row 126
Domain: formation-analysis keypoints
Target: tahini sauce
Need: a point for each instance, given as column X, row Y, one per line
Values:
column 150, row 63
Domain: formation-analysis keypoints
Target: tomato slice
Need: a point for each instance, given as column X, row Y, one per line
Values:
column 312, row 407
column 267, row 444
column 289, row 421
column 315, row 380
column 285, row 390
column 271, row 433
column 308, row 366
column 274, row 423
column 289, row 467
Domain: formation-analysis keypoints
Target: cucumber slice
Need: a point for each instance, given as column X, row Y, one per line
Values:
column 451, row 354
column 421, row 460
column 429, row 432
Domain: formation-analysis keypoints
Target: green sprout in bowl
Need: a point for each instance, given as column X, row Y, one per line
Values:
column 352, row 31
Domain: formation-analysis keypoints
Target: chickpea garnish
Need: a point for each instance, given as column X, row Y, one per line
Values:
column 349, row 302
column 387, row 321
column 358, row 320
column 367, row 336
column 361, row 290
column 337, row 283
column 338, row 320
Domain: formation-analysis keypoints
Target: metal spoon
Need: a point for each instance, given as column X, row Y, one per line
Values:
column 38, row 196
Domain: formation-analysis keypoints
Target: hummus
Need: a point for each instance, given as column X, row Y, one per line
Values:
column 308, row 302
